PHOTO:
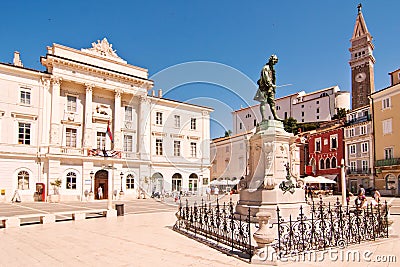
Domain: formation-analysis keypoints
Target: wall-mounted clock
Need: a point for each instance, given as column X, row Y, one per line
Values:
column 360, row 77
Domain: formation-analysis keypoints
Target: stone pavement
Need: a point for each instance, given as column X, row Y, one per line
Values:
column 135, row 240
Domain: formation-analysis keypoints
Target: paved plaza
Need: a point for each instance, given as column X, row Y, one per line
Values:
column 143, row 237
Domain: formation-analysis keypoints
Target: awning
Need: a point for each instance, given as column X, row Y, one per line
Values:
column 224, row 182
column 330, row 176
column 318, row 180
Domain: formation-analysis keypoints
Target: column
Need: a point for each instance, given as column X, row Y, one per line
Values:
column 87, row 139
column 144, row 128
column 117, row 120
column 56, row 109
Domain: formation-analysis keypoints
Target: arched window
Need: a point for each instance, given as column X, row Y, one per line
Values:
column 176, row 182
column 334, row 163
column 71, row 180
column 321, row 164
column 390, row 180
column 23, row 180
column 328, row 163
column 130, row 181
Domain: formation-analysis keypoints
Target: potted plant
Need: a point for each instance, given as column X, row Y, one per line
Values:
column 56, row 184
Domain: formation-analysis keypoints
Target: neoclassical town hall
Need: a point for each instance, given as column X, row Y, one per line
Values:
column 92, row 120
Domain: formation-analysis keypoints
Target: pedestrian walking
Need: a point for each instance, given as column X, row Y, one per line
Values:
column 216, row 192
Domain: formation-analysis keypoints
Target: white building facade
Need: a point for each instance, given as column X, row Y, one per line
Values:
column 89, row 122
column 316, row 106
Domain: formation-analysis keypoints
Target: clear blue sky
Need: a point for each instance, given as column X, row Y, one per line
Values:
column 311, row 39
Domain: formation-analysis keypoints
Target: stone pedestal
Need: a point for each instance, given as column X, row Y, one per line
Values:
column 270, row 162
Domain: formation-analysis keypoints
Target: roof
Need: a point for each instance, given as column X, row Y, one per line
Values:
column 23, row 68
column 180, row 102
column 220, row 139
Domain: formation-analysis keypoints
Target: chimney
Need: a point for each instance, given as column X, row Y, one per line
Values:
column 153, row 93
column 17, row 60
column 160, row 93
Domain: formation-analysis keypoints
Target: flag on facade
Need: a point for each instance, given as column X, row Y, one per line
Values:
column 109, row 132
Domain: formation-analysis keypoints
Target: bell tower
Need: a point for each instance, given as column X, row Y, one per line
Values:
column 361, row 62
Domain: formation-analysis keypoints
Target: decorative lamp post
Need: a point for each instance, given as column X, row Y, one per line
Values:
column 122, row 177
column 91, row 181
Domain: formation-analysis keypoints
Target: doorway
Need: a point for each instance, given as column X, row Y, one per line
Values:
column 101, row 180
column 353, row 186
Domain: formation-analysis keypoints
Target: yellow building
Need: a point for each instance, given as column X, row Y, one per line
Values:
column 386, row 113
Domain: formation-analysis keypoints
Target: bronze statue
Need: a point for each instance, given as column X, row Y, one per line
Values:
column 266, row 88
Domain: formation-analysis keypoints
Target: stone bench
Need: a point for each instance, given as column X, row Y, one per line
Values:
column 81, row 214
column 15, row 221
column 46, row 218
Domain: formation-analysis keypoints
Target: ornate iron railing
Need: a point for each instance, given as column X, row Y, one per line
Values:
column 217, row 224
column 330, row 226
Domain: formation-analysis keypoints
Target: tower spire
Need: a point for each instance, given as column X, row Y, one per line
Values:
column 359, row 7
column 361, row 62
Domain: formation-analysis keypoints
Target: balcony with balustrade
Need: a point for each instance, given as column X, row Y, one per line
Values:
column 359, row 171
column 387, row 162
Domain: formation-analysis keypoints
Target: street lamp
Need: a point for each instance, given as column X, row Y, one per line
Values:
column 91, row 181
column 122, row 177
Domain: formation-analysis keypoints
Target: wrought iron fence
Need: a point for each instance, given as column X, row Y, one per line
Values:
column 218, row 224
column 330, row 226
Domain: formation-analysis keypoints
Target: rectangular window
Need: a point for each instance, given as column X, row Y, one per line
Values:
column 101, row 140
column 159, row 118
column 389, row 153
column 24, row 133
column 128, row 113
column 255, row 122
column 353, row 166
column 25, row 96
column 352, row 149
column 193, row 123
column 286, row 115
column 317, row 110
column 387, row 126
column 318, row 144
column 177, row 148
column 351, row 132
column 159, row 147
column 363, row 130
column 70, row 137
column 364, row 147
column 240, row 126
column 71, row 103
column 364, row 165
column 302, row 113
column 177, row 119
column 333, row 141
column 193, row 150
column 128, row 143
column 386, row 103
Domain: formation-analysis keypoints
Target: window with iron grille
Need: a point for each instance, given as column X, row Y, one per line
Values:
column 71, row 180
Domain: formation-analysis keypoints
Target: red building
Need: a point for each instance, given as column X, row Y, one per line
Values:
column 326, row 150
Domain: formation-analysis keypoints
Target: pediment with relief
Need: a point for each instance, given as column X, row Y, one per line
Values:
column 104, row 49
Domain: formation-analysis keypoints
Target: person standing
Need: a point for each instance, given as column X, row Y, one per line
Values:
column 216, row 192
column 208, row 193
column 100, row 192
column 377, row 196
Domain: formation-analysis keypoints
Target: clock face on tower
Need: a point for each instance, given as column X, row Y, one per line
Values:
column 360, row 77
